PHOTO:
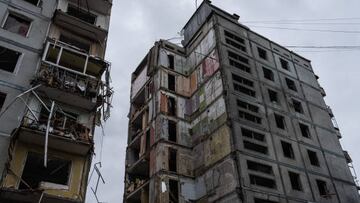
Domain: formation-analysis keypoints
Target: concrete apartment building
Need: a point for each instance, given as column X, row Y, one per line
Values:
column 231, row 117
column 54, row 90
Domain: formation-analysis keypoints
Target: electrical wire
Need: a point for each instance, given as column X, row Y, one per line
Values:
column 308, row 30
column 302, row 20
column 306, row 23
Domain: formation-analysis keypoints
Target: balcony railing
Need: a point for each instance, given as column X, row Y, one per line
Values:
column 61, row 124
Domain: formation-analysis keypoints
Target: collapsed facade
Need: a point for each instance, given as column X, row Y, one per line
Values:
column 54, row 90
column 231, row 117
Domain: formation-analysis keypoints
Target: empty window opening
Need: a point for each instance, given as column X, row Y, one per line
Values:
column 253, row 135
column 323, row 190
column 249, row 117
column 273, row 96
column 8, row 59
column 284, row 64
column 238, row 57
column 71, row 41
column 305, row 132
column 34, row 2
column 255, row 147
column 81, row 14
column 17, row 24
column 244, row 90
column 235, row 41
column 171, row 82
column 280, row 121
column 247, row 106
column 287, row 150
column 257, row 200
column 313, row 158
column 239, row 66
column 171, row 60
column 297, row 106
column 173, row 191
column 262, row 181
column 295, row 181
column 290, row 84
column 262, row 53
column 268, row 74
column 254, row 166
column 34, row 172
column 147, row 141
column 172, row 131
column 2, row 99
column 171, row 106
column 172, row 160
column 242, row 80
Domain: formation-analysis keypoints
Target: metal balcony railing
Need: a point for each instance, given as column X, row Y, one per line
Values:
column 61, row 124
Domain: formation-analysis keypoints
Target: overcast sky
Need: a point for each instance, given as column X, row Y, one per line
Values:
column 137, row 24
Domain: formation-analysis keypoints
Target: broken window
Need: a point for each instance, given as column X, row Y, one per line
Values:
column 295, row 181
column 247, row 106
column 81, row 14
column 249, row 117
column 313, row 158
column 238, row 57
column 72, row 60
column 257, row 200
column 34, row 2
column 268, row 74
column 305, row 132
column 2, row 99
column 323, row 190
column 171, row 106
column 8, row 59
column 235, row 41
column 254, row 166
column 244, row 90
column 76, row 43
column 284, row 64
column 262, row 53
column 255, row 147
column 290, row 84
column 17, row 24
column 287, row 150
column 280, row 121
column 253, row 135
column 173, row 191
column 171, row 60
column 297, row 106
column 171, row 82
column 273, row 96
column 262, row 181
column 172, row 160
column 172, row 130
column 34, row 173
column 239, row 66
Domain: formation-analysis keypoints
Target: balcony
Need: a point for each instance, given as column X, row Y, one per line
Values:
column 79, row 26
column 65, row 133
column 70, row 76
column 100, row 6
column 137, row 191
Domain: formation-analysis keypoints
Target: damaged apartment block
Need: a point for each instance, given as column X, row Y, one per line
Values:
column 56, row 93
column 226, row 118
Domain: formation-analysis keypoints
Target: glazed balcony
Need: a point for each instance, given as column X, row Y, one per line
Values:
column 65, row 133
column 71, row 76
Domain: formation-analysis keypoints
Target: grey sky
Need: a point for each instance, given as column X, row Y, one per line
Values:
column 137, row 24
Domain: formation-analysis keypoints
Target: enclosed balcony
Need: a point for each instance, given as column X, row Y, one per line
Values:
column 65, row 133
column 71, row 76
column 100, row 6
column 81, row 23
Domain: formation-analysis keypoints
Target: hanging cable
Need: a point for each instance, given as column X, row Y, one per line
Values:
column 309, row 30
column 302, row 20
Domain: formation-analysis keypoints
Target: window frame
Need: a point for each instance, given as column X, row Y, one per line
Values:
column 18, row 62
column 37, row 4
column 23, row 17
